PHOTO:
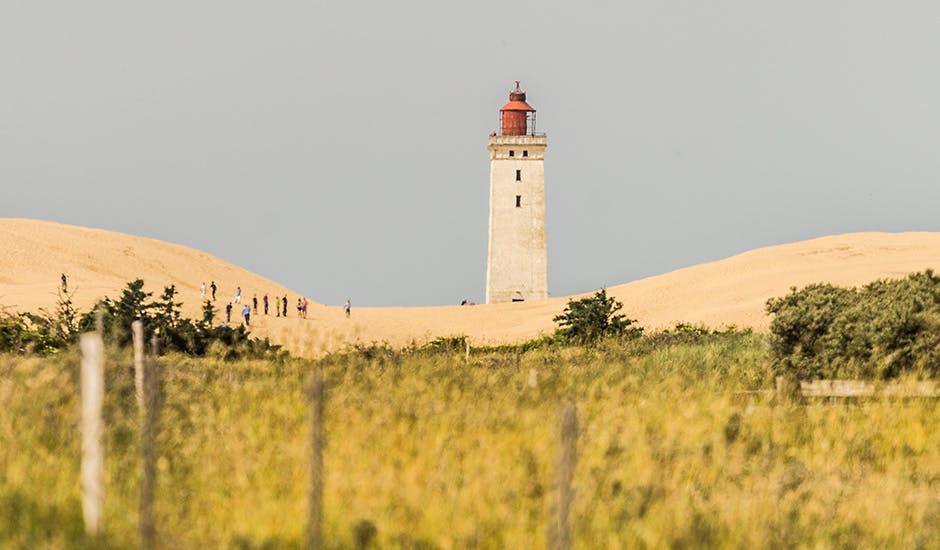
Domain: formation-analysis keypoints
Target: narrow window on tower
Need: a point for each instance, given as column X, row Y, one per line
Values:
column 518, row 175
column 512, row 153
column 525, row 153
column 518, row 201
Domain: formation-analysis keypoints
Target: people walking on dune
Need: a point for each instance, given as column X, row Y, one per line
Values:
column 246, row 311
column 213, row 287
column 238, row 295
column 228, row 312
column 300, row 307
column 265, row 300
column 304, row 308
column 284, row 305
column 347, row 306
column 254, row 302
column 202, row 291
column 65, row 283
column 277, row 305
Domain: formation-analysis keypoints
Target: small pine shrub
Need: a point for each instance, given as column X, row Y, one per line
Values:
column 588, row 319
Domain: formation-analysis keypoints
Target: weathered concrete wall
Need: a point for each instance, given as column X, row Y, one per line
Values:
column 517, row 264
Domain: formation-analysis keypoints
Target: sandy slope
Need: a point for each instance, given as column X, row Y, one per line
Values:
column 99, row 263
column 730, row 291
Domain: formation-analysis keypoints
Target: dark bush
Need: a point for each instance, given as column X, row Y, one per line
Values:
column 46, row 333
column 446, row 344
column 880, row 331
column 589, row 319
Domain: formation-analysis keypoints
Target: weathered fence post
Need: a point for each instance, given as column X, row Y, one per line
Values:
column 787, row 390
column 561, row 535
column 92, row 471
column 533, row 378
column 315, row 405
column 148, row 473
column 137, row 332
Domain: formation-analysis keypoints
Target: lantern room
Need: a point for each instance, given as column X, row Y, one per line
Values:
column 517, row 118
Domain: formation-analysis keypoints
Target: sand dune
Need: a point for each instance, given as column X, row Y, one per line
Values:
column 725, row 292
column 99, row 263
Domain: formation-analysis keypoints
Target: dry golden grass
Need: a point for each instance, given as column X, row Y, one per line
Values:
column 436, row 453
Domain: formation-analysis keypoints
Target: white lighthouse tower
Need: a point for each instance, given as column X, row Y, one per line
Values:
column 517, row 269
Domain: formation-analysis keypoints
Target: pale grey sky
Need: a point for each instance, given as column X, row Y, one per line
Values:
column 340, row 147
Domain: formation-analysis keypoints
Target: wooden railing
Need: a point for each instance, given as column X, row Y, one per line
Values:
column 861, row 388
column 836, row 389
column 853, row 389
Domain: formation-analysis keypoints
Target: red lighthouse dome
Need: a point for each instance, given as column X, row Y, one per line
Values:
column 514, row 116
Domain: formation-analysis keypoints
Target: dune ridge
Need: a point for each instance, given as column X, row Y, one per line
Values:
column 731, row 291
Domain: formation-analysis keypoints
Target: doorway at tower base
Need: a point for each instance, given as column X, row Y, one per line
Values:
column 515, row 296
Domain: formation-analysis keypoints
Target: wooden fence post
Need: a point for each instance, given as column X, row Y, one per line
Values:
column 315, row 404
column 787, row 390
column 92, row 470
column 148, row 473
column 561, row 539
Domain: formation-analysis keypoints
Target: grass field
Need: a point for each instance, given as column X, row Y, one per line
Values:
column 432, row 452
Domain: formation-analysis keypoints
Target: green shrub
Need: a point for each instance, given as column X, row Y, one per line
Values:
column 589, row 319
column 881, row 331
column 19, row 335
column 446, row 344
column 684, row 333
column 45, row 333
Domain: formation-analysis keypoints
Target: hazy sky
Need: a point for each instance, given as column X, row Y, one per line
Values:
column 340, row 147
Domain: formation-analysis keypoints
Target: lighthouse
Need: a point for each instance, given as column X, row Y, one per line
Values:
column 516, row 268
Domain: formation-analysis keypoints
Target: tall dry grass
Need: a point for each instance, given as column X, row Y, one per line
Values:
column 424, row 451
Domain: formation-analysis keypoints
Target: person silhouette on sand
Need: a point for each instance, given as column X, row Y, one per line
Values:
column 246, row 311
column 228, row 312
column 213, row 287
column 284, row 305
column 347, row 306
column 265, row 300
column 65, row 283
